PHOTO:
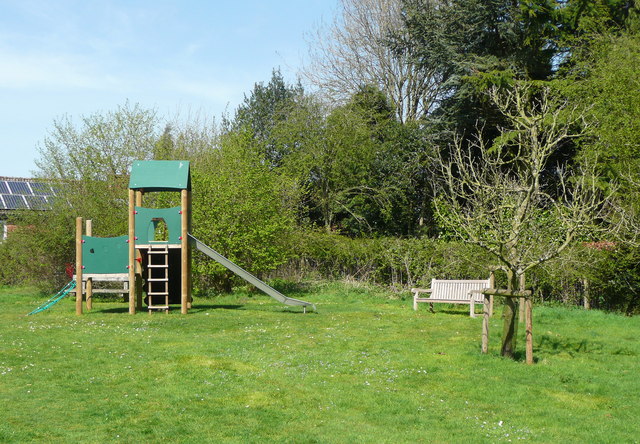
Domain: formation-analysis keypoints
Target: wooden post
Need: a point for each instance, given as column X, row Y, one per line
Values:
column 485, row 323
column 89, row 289
column 529, row 329
column 189, row 286
column 132, row 254
column 78, row 265
column 492, row 284
column 586, row 297
column 138, row 265
column 521, row 312
column 184, row 252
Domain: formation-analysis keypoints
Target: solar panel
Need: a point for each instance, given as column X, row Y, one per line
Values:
column 14, row 202
column 37, row 202
column 2, row 205
column 4, row 189
column 41, row 189
column 20, row 188
column 56, row 189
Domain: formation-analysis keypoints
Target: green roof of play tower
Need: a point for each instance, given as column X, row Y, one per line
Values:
column 160, row 175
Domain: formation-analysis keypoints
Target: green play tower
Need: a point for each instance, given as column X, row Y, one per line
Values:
column 164, row 259
column 155, row 256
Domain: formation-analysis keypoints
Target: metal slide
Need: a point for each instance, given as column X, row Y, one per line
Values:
column 275, row 294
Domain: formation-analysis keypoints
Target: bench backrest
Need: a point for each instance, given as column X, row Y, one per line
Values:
column 457, row 290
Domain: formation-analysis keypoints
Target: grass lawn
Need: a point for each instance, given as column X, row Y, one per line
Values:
column 366, row 368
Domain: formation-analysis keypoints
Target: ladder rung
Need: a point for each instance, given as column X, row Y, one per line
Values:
column 157, row 266
column 158, row 307
column 158, row 280
column 158, row 293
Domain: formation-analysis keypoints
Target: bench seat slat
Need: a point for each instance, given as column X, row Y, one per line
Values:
column 447, row 301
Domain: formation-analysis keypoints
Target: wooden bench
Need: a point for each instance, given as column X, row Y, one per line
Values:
column 452, row 292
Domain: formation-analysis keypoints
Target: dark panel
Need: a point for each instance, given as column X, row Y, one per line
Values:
column 37, row 202
column 2, row 205
column 19, row 188
column 41, row 189
column 51, row 201
column 14, row 202
column 4, row 189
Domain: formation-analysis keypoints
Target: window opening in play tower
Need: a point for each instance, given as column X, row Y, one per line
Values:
column 160, row 230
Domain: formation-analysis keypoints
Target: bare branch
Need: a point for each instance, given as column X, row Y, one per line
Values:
column 503, row 199
column 352, row 52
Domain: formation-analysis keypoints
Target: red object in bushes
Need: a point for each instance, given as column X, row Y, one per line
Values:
column 70, row 269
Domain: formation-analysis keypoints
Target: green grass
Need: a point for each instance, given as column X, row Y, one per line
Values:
column 366, row 368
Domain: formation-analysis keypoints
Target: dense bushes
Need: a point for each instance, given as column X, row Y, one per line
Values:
column 396, row 262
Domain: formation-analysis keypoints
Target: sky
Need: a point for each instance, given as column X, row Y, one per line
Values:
column 77, row 58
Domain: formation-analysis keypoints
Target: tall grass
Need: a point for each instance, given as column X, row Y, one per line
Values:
column 366, row 368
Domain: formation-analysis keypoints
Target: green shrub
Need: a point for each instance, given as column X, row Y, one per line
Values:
column 395, row 262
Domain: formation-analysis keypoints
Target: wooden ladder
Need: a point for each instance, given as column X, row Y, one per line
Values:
column 158, row 277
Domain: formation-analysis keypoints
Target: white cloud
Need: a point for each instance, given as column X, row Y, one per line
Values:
column 59, row 71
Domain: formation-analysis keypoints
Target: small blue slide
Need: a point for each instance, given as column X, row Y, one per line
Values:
column 55, row 299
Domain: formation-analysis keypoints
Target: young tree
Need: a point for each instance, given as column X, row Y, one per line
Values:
column 507, row 198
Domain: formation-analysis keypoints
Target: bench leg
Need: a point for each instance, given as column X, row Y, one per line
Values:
column 431, row 307
column 415, row 301
column 472, row 309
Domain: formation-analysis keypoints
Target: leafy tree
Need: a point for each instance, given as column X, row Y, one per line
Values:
column 101, row 147
column 401, row 162
column 473, row 45
column 332, row 156
column 502, row 198
column 263, row 109
column 91, row 162
column 610, row 93
column 241, row 208
column 38, row 250
column 601, row 79
column 477, row 44
column 164, row 146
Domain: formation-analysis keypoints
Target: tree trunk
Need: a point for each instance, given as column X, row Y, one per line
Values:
column 510, row 326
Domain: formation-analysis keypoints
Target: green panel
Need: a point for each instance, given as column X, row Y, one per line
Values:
column 105, row 255
column 147, row 221
column 160, row 175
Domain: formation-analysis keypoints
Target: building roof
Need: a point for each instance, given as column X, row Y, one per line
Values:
column 18, row 193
